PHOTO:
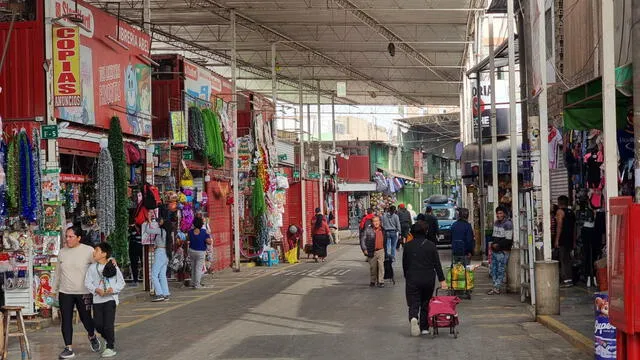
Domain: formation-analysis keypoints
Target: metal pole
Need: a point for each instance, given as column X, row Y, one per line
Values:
column 635, row 39
column 146, row 15
column 234, row 114
column 320, row 163
column 513, row 127
column 274, row 92
column 609, row 106
column 481, row 199
column 544, row 134
column 333, row 148
column 494, row 126
column 303, row 189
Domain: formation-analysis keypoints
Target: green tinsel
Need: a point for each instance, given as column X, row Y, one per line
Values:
column 13, row 190
column 214, row 146
column 118, row 238
column 258, row 204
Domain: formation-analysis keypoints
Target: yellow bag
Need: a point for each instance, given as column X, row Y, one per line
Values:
column 291, row 256
column 455, row 278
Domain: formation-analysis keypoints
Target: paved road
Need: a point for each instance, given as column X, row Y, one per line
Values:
column 314, row 311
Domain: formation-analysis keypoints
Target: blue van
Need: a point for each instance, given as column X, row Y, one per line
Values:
column 444, row 210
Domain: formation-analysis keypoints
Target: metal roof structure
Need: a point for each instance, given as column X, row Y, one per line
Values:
column 322, row 42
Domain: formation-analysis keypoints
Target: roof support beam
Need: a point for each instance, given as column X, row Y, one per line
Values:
column 389, row 35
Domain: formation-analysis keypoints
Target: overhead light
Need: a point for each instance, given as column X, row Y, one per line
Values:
column 392, row 49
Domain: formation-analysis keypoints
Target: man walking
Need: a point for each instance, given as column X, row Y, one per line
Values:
column 502, row 241
column 372, row 242
column 565, row 239
column 432, row 225
column 406, row 220
column 462, row 242
column 391, row 226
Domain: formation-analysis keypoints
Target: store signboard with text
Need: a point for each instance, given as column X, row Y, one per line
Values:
column 66, row 66
column 502, row 108
column 113, row 78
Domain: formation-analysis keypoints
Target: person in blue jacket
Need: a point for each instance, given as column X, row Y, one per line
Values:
column 462, row 242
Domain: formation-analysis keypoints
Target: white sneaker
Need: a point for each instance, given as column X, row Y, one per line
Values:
column 107, row 353
column 425, row 332
column 415, row 328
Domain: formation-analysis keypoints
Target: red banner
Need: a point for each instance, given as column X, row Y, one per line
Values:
column 115, row 79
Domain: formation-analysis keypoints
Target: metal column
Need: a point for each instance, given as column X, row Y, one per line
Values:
column 481, row 197
column 320, row 163
column 274, row 93
column 234, row 115
column 544, row 134
column 303, row 185
column 146, row 16
column 494, row 126
column 609, row 106
column 635, row 39
column 333, row 148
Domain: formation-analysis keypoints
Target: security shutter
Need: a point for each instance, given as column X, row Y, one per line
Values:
column 559, row 179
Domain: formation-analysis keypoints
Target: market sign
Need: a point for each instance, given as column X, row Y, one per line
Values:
column 67, row 90
column 49, row 132
column 187, row 155
column 112, row 76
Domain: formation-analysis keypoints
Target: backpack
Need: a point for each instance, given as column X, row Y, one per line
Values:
column 141, row 214
column 151, row 198
column 132, row 154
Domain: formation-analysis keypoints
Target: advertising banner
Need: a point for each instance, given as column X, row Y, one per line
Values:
column 114, row 79
column 502, row 108
column 66, row 66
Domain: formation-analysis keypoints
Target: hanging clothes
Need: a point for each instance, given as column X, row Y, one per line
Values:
column 106, row 202
column 196, row 129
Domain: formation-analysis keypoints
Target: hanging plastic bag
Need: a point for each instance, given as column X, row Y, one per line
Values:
column 292, row 256
column 186, row 181
column 282, row 182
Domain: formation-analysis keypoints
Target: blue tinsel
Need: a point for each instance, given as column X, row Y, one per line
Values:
column 28, row 195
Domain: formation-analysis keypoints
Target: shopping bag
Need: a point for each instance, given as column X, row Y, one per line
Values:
column 459, row 279
column 292, row 256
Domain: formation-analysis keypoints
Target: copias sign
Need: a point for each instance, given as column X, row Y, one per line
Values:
column 66, row 66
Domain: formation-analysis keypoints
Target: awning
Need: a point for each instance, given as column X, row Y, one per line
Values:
column 401, row 176
column 583, row 104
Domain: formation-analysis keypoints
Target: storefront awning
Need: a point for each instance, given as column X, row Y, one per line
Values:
column 583, row 104
column 398, row 175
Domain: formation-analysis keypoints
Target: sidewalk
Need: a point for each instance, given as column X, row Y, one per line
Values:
column 576, row 319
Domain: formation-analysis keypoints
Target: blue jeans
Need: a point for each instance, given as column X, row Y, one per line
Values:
column 392, row 242
column 159, row 272
column 499, row 261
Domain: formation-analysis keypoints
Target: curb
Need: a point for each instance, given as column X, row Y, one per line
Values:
column 576, row 339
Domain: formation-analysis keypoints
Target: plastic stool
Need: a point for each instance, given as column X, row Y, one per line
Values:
column 21, row 334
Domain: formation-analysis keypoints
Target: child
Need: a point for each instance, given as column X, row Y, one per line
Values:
column 104, row 280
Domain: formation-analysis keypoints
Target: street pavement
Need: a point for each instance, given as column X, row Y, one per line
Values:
column 312, row 311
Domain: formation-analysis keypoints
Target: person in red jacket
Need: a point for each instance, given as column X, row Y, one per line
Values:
column 321, row 237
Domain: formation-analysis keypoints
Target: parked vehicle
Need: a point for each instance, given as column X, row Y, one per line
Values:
column 445, row 211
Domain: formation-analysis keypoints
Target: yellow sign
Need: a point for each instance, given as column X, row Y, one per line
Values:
column 179, row 128
column 66, row 66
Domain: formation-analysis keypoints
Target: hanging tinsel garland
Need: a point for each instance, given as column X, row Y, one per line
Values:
column 118, row 238
column 13, row 190
column 35, row 150
column 106, row 193
column 3, row 183
column 28, row 201
column 213, row 139
column 196, row 129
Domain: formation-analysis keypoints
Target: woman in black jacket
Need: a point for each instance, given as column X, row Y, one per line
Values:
column 421, row 264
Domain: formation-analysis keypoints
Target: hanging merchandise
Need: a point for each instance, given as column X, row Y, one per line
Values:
column 196, row 129
column 258, row 204
column 186, row 181
column 245, row 149
column 119, row 238
column 3, row 184
column 28, row 192
column 35, row 151
column 213, row 139
column 12, row 174
column 106, row 193
column 223, row 113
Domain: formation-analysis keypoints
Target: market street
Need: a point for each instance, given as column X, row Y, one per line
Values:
column 312, row 311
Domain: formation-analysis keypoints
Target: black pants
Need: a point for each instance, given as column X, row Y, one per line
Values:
column 591, row 249
column 83, row 304
column 104, row 316
column 135, row 258
column 566, row 270
column 418, row 296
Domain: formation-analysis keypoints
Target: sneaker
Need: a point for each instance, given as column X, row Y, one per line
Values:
column 372, row 284
column 424, row 332
column 96, row 345
column 415, row 328
column 107, row 353
column 566, row 284
column 166, row 297
column 494, row 291
column 67, row 353
column 158, row 298
column 381, row 285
